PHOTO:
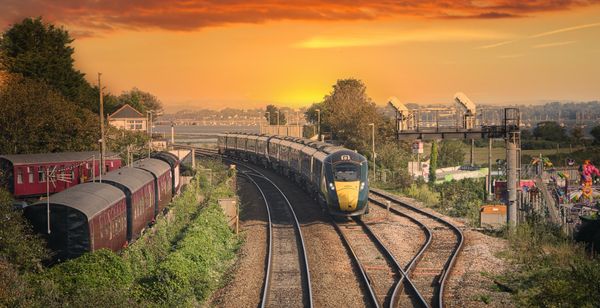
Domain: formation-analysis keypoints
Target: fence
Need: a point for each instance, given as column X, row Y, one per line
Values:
column 282, row 130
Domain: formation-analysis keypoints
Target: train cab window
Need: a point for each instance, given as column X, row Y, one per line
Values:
column 346, row 172
column 41, row 175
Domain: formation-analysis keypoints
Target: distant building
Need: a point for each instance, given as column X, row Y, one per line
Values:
column 128, row 118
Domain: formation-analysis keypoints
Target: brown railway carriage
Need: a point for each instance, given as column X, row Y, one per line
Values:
column 87, row 217
column 24, row 175
column 138, row 186
column 161, row 171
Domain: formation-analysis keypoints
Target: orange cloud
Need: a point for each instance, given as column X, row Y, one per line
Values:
column 188, row 15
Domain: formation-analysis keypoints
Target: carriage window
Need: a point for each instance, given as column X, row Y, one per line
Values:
column 30, row 174
column 19, row 176
column 41, row 175
column 346, row 172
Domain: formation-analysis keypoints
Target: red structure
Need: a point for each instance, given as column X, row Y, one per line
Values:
column 84, row 218
column 25, row 175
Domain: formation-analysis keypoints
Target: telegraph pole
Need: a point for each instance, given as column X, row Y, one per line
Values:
column 102, row 143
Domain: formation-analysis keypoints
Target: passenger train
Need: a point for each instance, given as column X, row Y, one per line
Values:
column 335, row 176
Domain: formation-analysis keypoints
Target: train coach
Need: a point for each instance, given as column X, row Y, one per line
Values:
column 25, row 175
column 107, row 214
column 335, row 176
column 84, row 218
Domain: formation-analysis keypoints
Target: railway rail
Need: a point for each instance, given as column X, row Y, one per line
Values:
column 381, row 273
column 431, row 266
column 421, row 282
column 287, row 278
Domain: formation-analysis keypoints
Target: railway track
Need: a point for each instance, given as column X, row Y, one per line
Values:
column 381, row 273
column 430, row 267
column 420, row 283
column 287, row 278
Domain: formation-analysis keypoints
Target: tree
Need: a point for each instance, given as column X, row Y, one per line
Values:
column 42, row 52
column 18, row 244
column 595, row 132
column 550, row 131
column 140, row 100
column 271, row 115
column 346, row 112
column 451, row 153
column 34, row 118
column 395, row 157
column 577, row 134
column 433, row 160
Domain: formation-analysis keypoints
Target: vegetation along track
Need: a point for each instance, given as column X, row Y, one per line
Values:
column 430, row 268
column 381, row 273
column 287, row 279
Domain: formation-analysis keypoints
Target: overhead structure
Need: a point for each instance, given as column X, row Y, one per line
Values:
column 469, row 109
column 405, row 118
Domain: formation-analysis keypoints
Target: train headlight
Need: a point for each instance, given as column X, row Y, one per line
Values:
column 331, row 186
column 362, row 185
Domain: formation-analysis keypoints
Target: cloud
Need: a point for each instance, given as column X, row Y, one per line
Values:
column 369, row 39
column 511, row 56
column 568, row 29
column 544, row 34
column 190, row 15
column 553, row 44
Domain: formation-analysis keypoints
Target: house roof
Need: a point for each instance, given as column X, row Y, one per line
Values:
column 126, row 112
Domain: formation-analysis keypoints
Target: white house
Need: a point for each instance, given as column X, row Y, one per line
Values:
column 128, row 118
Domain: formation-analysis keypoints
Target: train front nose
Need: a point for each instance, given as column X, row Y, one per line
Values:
column 347, row 193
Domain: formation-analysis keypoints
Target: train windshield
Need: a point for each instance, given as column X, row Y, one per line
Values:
column 346, row 172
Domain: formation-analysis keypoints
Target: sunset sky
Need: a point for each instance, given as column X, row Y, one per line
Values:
column 245, row 54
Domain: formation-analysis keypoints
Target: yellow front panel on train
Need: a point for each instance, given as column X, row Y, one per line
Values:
column 347, row 193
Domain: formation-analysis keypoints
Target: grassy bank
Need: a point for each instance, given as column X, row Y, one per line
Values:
column 178, row 262
column 549, row 270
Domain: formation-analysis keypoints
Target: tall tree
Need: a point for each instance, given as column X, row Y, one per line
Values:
column 141, row 101
column 595, row 132
column 550, row 131
column 433, row 161
column 346, row 112
column 577, row 134
column 43, row 52
column 451, row 153
column 35, row 118
column 271, row 114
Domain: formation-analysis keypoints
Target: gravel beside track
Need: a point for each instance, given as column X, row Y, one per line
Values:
column 246, row 278
column 334, row 278
column 428, row 271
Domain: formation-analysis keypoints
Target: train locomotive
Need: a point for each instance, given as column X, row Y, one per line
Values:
column 335, row 176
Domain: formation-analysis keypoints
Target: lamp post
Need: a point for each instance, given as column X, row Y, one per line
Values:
column 278, row 122
column 149, row 132
column 318, row 124
column 374, row 168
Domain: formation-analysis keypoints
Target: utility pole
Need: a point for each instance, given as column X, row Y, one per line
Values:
column 472, row 149
column 149, row 132
column 318, row 124
column 102, row 143
column 489, row 186
column 374, row 166
column 172, row 133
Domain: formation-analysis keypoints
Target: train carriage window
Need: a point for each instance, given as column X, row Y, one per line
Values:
column 346, row 172
column 41, row 175
column 30, row 174
column 19, row 176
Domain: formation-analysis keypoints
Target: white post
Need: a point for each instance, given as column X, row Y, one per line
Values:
column 172, row 133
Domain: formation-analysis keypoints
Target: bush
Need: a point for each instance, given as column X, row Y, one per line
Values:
column 462, row 198
column 422, row 193
column 549, row 269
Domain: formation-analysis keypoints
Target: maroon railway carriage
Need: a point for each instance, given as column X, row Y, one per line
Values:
column 24, row 175
column 163, row 182
column 173, row 162
column 84, row 218
column 138, row 186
